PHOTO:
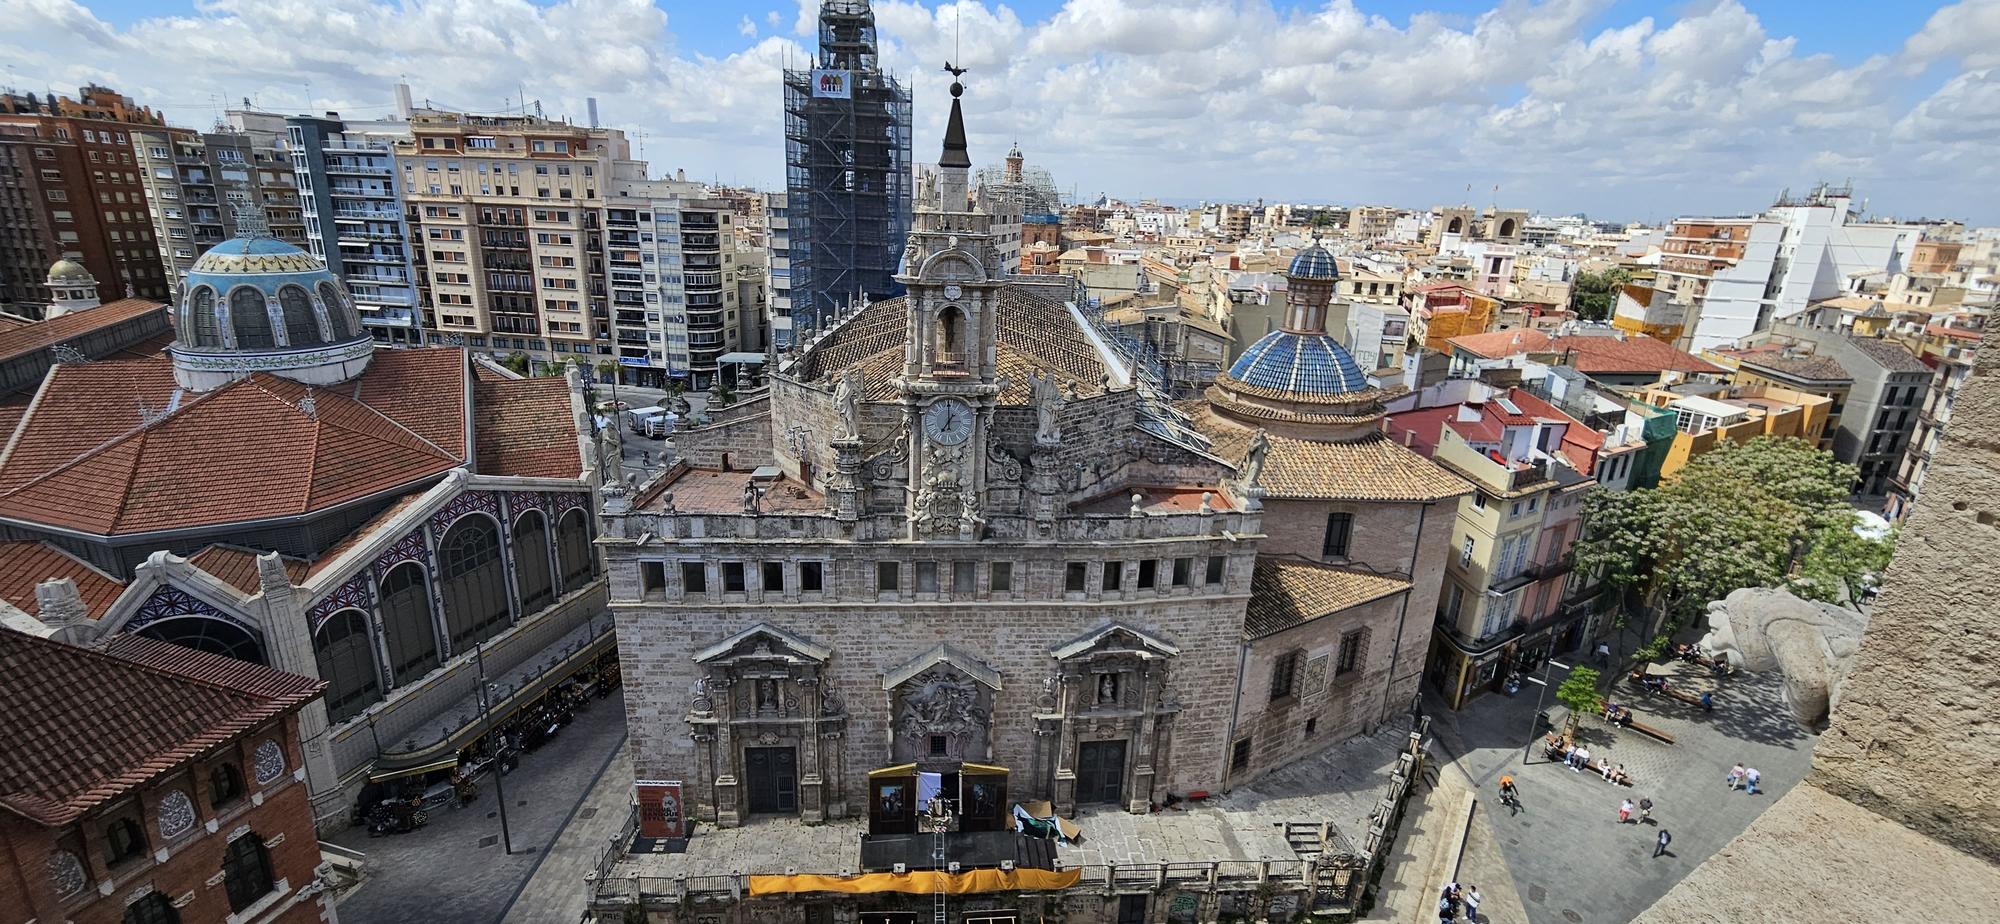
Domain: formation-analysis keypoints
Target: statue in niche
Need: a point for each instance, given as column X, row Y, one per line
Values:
column 847, row 397
column 830, row 703
column 767, row 695
column 1047, row 396
column 700, row 702
column 1107, row 689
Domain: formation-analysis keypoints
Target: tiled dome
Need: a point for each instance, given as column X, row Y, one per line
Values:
column 1314, row 263
column 255, row 303
column 67, row 270
column 1307, row 364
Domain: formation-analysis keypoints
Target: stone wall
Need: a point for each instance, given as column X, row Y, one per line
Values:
column 746, row 441
column 1913, row 734
column 1339, row 706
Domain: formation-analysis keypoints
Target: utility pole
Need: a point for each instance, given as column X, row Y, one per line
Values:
column 1535, row 723
column 499, row 751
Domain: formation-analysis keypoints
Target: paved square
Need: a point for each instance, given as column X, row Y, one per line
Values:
column 1571, row 860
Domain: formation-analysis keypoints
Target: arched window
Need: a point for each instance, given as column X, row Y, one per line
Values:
column 579, row 563
column 225, row 784
column 123, row 840
column 201, row 328
column 532, row 571
column 474, row 581
column 951, row 335
column 1507, row 228
column 246, row 871
column 347, row 664
column 337, row 311
column 250, row 318
column 407, row 623
column 301, row 325
column 153, row 909
column 1456, row 225
column 204, row 633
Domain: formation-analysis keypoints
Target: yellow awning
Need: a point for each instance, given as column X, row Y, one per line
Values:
column 923, row 882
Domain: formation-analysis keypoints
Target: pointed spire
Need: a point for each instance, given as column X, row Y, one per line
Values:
column 954, row 129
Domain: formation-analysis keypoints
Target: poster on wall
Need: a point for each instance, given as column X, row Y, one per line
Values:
column 832, row 84
column 660, row 809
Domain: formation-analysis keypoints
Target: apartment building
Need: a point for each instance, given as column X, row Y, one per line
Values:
column 1708, row 414
column 27, row 241
column 91, row 205
column 1782, row 366
column 1950, row 342
column 1879, row 416
column 196, row 182
column 778, row 270
column 505, row 211
column 352, row 209
column 1509, row 602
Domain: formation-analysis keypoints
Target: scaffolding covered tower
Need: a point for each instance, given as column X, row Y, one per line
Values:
column 847, row 171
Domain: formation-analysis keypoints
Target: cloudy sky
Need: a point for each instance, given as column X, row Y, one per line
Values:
column 1629, row 109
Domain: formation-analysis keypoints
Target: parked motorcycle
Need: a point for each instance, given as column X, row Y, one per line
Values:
column 396, row 816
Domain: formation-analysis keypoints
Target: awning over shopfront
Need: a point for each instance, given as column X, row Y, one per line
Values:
column 920, row 883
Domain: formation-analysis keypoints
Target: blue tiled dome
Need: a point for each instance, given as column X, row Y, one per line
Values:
column 1312, row 364
column 1314, row 263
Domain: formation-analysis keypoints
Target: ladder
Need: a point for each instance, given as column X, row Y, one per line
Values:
column 938, row 868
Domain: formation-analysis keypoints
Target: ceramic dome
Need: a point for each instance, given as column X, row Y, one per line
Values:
column 1314, row 262
column 1299, row 363
column 67, row 270
column 258, row 304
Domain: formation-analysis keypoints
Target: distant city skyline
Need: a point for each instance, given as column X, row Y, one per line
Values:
column 1626, row 111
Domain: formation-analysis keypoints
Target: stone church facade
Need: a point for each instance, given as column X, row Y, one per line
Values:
column 958, row 529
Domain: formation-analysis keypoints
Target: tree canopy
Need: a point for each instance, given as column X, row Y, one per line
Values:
column 1597, row 293
column 1741, row 515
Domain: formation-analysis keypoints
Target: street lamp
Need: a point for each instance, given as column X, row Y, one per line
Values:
column 1535, row 721
column 499, row 750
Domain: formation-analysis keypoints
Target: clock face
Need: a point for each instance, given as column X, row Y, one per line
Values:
column 948, row 422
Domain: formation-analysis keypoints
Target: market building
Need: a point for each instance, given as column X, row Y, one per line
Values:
column 274, row 489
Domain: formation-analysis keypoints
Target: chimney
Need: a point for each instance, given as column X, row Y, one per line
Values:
column 592, row 103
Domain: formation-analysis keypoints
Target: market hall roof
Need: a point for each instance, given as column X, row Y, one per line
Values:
column 117, row 448
column 86, row 727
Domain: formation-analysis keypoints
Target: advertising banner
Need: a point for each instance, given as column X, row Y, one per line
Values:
column 833, row 84
column 660, row 809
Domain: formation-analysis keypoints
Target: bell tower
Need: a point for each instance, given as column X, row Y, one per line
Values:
column 950, row 381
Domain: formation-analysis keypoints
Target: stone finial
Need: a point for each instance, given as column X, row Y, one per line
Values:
column 1207, row 504
column 59, row 604
column 1138, row 505
column 271, row 574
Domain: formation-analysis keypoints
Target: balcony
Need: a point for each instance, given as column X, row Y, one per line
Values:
column 345, row 234
column 333, row 167
column 369, row 146
column 366, row 214
column 365, row 298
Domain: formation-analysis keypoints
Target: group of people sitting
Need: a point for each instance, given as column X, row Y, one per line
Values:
column 1691, row 654
column 1577, row 757
column 1617, row 715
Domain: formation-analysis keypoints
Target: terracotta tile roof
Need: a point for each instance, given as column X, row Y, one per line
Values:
column 147, row 348
column 1285, row 593
column 26, row 564
column 20, row 341
column 1805, row 368
column 85, row 727
column 286, row 462
column 10, row 322
column 1371, row 468
column 708, row 490
column 12, row 409
column 424, row 390
column 81, row 407
column 237, row 566
column 525, row 427
column 1590, row 354
column 362, row 532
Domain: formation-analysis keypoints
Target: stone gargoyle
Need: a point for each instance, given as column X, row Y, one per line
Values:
column 1811, row 644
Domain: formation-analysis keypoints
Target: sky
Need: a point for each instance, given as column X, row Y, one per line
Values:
column 1621, row 109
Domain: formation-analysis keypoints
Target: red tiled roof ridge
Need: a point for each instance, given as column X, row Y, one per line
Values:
column 180, row 407
column 324, row 419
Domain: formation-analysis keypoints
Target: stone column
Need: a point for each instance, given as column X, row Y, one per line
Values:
column 812, row 800
column 1065, row 775
column 1140, row 793
column 728, row 805
column 288, row 638
column 845, row 497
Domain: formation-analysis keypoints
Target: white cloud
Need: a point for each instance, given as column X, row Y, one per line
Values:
column 1566, row 104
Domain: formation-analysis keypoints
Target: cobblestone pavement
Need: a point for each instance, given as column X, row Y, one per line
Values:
column 1570, row 859
column 452, row 871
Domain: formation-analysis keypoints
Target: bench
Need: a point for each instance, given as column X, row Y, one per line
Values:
column 1650, row 732
column 1639, row 678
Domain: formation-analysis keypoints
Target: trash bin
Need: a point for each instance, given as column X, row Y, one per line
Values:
column 1542, row 721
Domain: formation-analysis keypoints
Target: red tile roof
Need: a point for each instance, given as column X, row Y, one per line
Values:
column 424, row 390
column 26, row 564
column 80, row 407
column 525, row 427
column 362, row 532
column 237, row 567
column 1589, row 354
column 85, row 727
column 21, row 341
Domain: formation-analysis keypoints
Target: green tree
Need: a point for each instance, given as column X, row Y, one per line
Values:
column 1740, row 515
column 1595, row 294
column 518, row 362
column 1841, row 564
column 1579, row 692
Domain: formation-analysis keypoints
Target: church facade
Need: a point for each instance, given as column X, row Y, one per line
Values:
column 958, row 532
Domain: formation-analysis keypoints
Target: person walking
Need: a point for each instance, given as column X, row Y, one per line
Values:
column 1735, row 775
column 1660, row 845
column 1645, row 810
column 1625, row 812
column 1604, row 653
column 1707, row 701
column 1472, row 899
column 1751, row 777
column 1508, row 796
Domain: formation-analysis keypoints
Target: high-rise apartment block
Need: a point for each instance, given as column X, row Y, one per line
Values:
column 670, row 250
column 777, row 263
column 194, row 182
column 90, row 205
column 353, row 215
column 847, row 171
column 506, row 214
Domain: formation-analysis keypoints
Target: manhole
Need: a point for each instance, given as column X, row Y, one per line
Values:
column 1572, row 916
column 521, row 804
column 489, row 840
column 587, row 813
column 1537, row 894
column 1514, row 842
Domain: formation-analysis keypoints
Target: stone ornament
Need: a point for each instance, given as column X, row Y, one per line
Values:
column 1812, row 644
column 847, row 397
column 270, row 763
column 66, row 873
column 176, row 814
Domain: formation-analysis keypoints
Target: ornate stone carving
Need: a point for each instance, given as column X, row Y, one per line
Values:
column 830, row 703
column 847, row 398
column 1253, row 459
column 66, row 873
column 699, row 700
column 941, row 702
column 176, row 814
column 1048, row 401
column 1812, row 644
column 1001, row 465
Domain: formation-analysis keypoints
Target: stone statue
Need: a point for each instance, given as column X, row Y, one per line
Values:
column 750, row 497
column 700, row 702
column 830, row 702
column 1048, row 399
column 1812, row 644
column 1253, row 459
column 847, row 397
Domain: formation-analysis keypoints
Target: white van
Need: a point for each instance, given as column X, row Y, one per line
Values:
column 637, row 417
column 659, row 426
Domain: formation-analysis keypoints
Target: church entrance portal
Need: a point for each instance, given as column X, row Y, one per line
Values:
column 773, row 775
column 1100, row 772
